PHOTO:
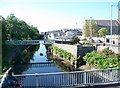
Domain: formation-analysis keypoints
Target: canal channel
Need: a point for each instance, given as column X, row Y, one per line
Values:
column 39, row 63
column 42, row 72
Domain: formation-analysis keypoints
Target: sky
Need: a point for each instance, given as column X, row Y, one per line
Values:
column 49, row 15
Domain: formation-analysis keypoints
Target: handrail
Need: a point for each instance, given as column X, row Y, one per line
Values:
column 26, row 42
column 55, row 73
column 76, row 78
column 1, row 78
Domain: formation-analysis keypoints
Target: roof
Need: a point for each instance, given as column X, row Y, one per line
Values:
column 107, row 22
column 55, row 31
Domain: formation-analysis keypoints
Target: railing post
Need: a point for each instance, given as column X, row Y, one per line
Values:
column 36, row 79
column 85, row 77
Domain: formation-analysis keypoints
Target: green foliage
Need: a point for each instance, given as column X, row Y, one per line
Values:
column 62, row 53
column 17, row 29
column 106, row 59
column 88, row 26
column 75, row 40
column 108, row 52
column 102, row 32
column 86, row 29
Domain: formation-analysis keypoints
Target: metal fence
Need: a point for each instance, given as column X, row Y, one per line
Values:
column 42, row 64
column 77, row 78
column 29, row 42
column 1, row 78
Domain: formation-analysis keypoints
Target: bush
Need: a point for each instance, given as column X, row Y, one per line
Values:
column 62, row 53
column 107, row 59
column 107, row 52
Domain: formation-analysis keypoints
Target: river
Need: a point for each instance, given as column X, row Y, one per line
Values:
column 39, row 63
column 44, row 80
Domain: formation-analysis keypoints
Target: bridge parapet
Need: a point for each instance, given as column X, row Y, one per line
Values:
column 77, row 78
column 29, row 42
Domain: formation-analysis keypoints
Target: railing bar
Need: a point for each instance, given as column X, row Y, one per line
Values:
column 90, row 78
column 62, row 72
column 102, row 75
column 76, row 79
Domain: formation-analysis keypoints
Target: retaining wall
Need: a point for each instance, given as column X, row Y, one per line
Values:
column 76, row 50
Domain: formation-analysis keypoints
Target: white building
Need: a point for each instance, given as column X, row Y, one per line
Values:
column 113, row 39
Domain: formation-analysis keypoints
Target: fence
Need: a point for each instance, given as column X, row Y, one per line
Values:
column 1, row 77
column 42, row 64
column 29, row 42
column 77, row 78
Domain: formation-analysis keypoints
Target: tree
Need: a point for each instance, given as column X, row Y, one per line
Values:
column 19, row 29
column 86, row 29
column 75, row 39
column 15, row 29
column 88, row 26
column 102, row 32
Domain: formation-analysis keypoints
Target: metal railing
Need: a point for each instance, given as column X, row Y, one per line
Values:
column 29, row 42
column 77, row 78
column 41, row 64
column 1, row 78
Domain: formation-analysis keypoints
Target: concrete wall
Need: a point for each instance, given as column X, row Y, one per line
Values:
column 76, row 50
column 115, row 49
column 69, row 48
column 98, row 38
column 100, row 48
column 82, row 50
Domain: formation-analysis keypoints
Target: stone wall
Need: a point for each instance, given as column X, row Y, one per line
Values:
column 76, row 50
column 101, row 48
column 69, row 48
column 115, row 49
column 82, row 50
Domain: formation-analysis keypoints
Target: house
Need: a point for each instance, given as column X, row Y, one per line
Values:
column 115, row 39
column 69, row 33
column 112, row 41
column 64, row 34
column 55, row 34
column 119, row 16
column 107, row 25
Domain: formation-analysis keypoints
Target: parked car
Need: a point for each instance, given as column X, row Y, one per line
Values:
column 99, row 41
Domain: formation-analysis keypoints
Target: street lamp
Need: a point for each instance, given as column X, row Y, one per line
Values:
column 111, row 25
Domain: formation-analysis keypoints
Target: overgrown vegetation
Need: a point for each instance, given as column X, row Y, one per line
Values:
column 15, row 29
column 62, row 53
column 90, row 26
column 75, row 40
column 102, row 60
column 102, row 32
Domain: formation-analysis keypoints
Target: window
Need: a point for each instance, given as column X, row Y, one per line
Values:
column 107, row 40
column 113, row 42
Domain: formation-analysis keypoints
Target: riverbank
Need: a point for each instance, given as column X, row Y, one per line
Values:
column 63, row 62
column 86, row 67
column 67, row 63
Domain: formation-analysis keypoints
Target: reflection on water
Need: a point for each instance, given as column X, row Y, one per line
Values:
column 41, row 64
column 37, row 58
